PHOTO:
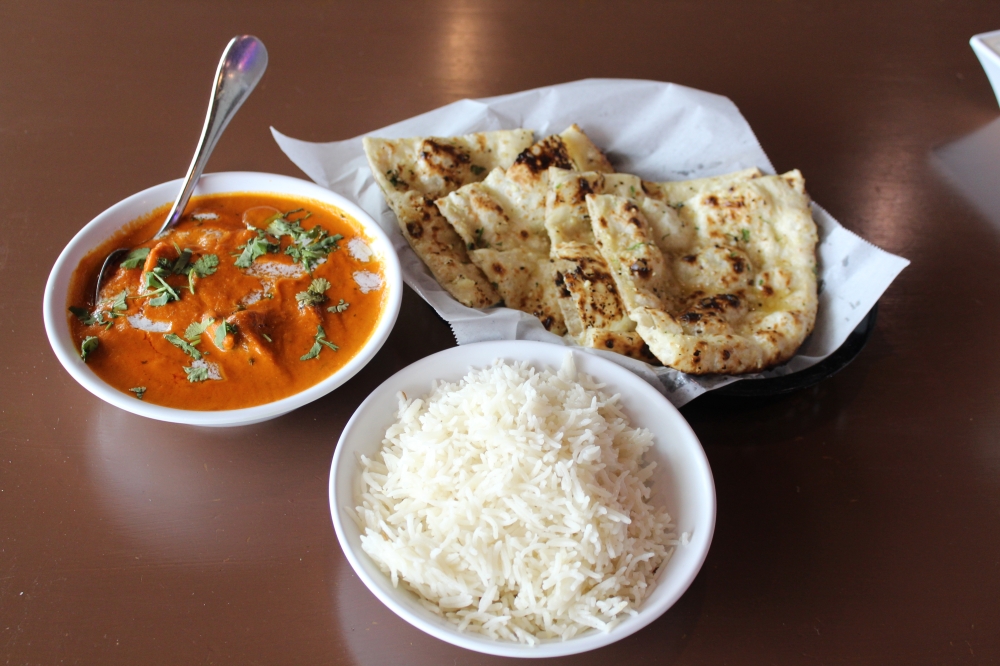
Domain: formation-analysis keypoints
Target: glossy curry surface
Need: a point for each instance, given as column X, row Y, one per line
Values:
column 250, row 299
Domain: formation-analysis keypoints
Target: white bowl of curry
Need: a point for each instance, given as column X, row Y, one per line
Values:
column 270, row 293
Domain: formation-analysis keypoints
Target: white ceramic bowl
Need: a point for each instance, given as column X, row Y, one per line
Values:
column 116, row 217
column 682, row 482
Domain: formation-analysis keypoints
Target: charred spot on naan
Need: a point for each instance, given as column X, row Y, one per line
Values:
column 502, row 222
column 413, row 172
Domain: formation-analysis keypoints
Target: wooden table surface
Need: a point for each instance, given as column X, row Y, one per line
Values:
column 858, row 521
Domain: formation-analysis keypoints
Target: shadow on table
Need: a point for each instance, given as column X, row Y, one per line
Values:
column 740, row 421
column 971, row 165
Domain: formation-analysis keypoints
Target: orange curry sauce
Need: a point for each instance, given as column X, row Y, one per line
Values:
column 258, row 357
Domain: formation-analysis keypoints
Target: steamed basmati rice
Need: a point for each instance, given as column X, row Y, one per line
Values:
column 514, row 503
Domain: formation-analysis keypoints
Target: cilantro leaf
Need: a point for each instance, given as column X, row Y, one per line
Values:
column 205, row 265
column 313, row 352
column 476, row 169
column 139, row 391
column 339, row 307
column 135, row 257
column 157, row 285
column 279, row 225
column 181, row 263
column 118, row 304
column 195, row 373
column 307, row 246
column 85, row 317
column 183, row 345
column 314, row 295
column 746, row 235
column 194, row 331
column 220, row 333
column 88, row 346
column 318, row 343
column 395, row 179
column 309, row 254
column 254, row 248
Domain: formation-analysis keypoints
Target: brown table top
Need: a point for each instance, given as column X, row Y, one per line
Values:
column 857, row 520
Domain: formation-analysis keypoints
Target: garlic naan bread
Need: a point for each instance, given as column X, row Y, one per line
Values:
column 502, row 222
column 727, row 283
column 588, row 298
column 414, row 172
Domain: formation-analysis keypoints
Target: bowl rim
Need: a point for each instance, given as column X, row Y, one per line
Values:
column 624, row 382
column 117, row 216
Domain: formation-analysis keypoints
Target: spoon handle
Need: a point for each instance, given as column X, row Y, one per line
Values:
column 241, row 67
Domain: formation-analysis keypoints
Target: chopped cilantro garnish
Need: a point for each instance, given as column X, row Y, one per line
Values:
column 479, row 239
column 394, row 178
column 314, row 295
column 220, row 333
column 196, row 373
column 318, row 343
column 163, row 293
column 339, row 307
column 135, row 257
column 89, row 346
column 634, row 247
column 307, row 246
column 194, row 331
column 118, row 304
column 139, row 391
column 160, row 300
column 205, row 265
column 309, row 254
column 183, row 345
column 85, row 317
column 181, row 263
column 746, row 235
column 254, row 248
column 476, row 169
column 282, row 225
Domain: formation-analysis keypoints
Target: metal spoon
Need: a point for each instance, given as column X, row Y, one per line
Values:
column 242, row 64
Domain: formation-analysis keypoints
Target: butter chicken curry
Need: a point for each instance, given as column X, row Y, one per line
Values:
column 250, row 299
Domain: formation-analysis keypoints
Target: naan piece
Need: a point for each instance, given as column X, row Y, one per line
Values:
column 502, row 221
column 414, row 172
column 727, row 284
column 589, row 300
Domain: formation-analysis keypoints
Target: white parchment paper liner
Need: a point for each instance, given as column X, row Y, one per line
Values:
column 659, row 131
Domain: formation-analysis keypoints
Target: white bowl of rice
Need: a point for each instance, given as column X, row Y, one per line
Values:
column 522, row 499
